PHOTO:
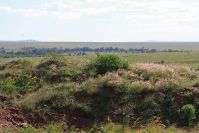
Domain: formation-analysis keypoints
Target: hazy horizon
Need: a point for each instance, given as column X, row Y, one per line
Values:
column 147, row 41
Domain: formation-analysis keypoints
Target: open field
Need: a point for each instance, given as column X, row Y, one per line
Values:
column 187, row 58
column 194, row 46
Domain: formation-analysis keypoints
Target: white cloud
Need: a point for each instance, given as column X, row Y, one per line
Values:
column 139, row 11
column 27, row 12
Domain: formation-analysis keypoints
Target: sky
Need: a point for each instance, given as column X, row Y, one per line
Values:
column 99, row 20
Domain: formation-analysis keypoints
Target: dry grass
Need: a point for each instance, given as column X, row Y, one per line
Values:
column 152, row 76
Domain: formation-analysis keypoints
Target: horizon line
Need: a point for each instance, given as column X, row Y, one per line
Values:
column 35, row 41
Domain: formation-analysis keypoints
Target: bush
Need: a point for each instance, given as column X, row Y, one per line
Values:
column 148, row 108
column 26, row 82
column 54, row 99
column 108, row 63
column 19, row 83
column 187, row 114
column 53, row 68
column 104, row 93
column 7, row 86
column 25, row 63
column 56, row 59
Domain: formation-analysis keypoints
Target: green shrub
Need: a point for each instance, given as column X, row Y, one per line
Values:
column 54, row 68
column 148, row 108
column 26, row 82
column 24, row 62
column 108, row 63
column 56, row 59
column 45, row 95
column 58, row 102
column 60, row 75
column 104, row 93
column 187, row 114
column 19, row 83
column 7, row 85
column 54, row 99
column 168, row 105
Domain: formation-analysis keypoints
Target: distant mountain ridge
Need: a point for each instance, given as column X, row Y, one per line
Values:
column 28, row 40
column 159, row 45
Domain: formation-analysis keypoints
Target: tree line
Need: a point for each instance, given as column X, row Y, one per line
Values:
column 33, row 51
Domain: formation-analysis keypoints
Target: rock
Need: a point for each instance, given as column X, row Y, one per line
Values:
column 24, row 125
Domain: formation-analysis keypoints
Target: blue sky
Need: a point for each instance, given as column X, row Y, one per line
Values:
column 99, row 20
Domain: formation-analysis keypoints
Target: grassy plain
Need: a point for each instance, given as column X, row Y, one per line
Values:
column 47, row 88
column 186, row 58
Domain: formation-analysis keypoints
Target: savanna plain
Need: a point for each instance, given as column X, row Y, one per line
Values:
column 120, row 92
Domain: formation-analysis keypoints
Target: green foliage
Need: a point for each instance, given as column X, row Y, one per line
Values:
column 57, row 102
column 108, row 63
column 54, row 68
column 52, row 59
column 115, row 128
column 168, row 106
column 8, row 85
column 26, row 82
column 19, row 83
column 94, row 129
column 30, row 130
column 187, row 114
column 55, row 128
column 147, row 108
column 104, row 94
column 54, row 100
column 25, row 63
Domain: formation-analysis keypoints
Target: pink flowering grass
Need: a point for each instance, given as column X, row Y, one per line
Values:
column 156, row 72
column 146, row 77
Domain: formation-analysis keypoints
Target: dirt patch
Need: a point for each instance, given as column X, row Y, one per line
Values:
column 11, row 117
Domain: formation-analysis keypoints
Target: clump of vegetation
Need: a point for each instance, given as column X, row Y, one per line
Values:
column 147, row 108
column 107, row 63
column 54, row 68
column 20, row 83
column 7, row 86
column 103, row 94
column 188, row 114
column 25, row 63
column 56, row 59
column 16, row 64
column 26, row 82
column 55, row 100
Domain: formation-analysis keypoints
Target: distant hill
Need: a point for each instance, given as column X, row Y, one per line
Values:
column 151, row 45
column 28, row 41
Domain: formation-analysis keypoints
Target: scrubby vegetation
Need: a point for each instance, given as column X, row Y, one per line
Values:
column 37, row 52
column 106, row 94
column 188, row 112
